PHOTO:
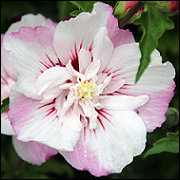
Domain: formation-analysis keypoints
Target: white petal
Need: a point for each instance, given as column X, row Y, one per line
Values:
column 122, row 102
column 113, row 85
column 8, row 74
column 51, row 78
column 102, row 48
column 79, row 32
column 31, row 53
column 34, row 121
column 84, row 60
column 90, row 113
column 157, row 82
column 92, row 69
column 125, row 62
column 109, row 149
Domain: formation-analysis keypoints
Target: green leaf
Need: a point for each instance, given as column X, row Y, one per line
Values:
column 75, row 13
column 167, row 144
column 64, row 8
column 5, row 105
column 154, row 23
column 84, row 6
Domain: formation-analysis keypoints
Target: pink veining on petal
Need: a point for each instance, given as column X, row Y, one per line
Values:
column 74, row 58
column 105, row 112
column 91, row 46
column 50, row 60
column 117, row 70
column 99, row 119
column 116, row 75
column 46, row 104
column 94, row 130
column 51, row 111
column 46, row 65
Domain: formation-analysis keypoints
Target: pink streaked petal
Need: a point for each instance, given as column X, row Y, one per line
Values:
column 102, row 48
column 124, row 62
column 6, row 127
column 33, row 152
column 153, row 113
column 122, row 102
column 104, row 151
column 156, row 82
column 85, row 26
column 34, row 121
column 29, row 48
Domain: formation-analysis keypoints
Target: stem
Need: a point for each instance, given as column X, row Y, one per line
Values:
column 134, row 10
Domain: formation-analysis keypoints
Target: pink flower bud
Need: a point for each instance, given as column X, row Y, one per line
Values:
column 168, row 6
column 174, row 6
column 130, row 5
column 122, row 8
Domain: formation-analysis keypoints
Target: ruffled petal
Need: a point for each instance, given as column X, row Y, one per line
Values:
column 122, row 102
column 157, row 82
column 31, row 54
column 8, row 74
column 68, row 41
column 34, row 121
column 48, row 82
column 110, row 147
column 102, row 48
column 84, row 60
column 117, row 36
column 33, row 152
column 124, row 62
column 92, row 69
column 28, row 20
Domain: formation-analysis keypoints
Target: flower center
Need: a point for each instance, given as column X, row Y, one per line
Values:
column 86, row 90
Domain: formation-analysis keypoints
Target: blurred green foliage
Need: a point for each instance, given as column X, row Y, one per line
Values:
column 158, row 166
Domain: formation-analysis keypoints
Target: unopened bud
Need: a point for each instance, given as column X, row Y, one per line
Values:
column 168, row 6
column 122, row 8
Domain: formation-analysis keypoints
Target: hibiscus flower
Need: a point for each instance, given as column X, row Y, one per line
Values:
column 76, row 90
column 32, row 152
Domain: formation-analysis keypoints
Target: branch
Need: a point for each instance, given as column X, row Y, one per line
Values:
column 134, row 10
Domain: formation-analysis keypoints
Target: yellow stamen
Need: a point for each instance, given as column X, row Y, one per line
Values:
column 86, row 90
